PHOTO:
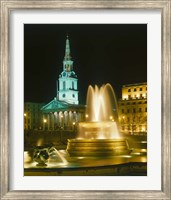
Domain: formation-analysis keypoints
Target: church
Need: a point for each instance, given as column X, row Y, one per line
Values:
column 64, row 111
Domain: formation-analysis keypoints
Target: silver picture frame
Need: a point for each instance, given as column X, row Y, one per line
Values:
column 6, row 7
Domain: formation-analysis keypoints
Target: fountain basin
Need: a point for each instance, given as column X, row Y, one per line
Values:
column 98, row 130
column 97, row 147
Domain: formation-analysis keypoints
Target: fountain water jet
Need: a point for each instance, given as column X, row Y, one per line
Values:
column 63, row 160
column 99, row 135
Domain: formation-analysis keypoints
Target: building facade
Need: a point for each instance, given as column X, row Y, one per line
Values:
column 133, row 109
column 33, row 116
column 64, row 111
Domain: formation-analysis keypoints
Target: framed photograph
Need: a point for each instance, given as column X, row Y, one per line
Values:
column 136, row 35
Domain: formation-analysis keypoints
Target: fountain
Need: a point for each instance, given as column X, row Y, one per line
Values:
column 99, row 135
column 98, row 148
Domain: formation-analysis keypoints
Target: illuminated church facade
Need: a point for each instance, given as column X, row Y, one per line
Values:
column 64, row 111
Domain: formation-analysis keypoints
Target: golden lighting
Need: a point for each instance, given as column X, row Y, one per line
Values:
column 125, row 97
column 144, row 95
column 143, row 129
column 45, row 120
column 111, row 118
column 25, row 114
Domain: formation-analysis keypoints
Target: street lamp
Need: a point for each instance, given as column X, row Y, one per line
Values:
column 73, row 123
column 86, row 116
column 111, row 118
column 25, row 125
column 44, row 123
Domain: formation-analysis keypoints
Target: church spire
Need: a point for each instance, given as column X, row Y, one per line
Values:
column 67, row 62
column 67, row 49
column 67, row 89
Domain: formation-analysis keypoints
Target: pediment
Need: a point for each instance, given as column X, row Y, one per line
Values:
column 54, row 105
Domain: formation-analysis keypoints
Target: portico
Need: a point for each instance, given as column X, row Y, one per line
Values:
column 61, row 115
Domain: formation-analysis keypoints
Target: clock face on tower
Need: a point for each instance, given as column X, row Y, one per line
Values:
column 64, row 74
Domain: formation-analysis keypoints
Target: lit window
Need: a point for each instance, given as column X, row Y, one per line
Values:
column 64, row 85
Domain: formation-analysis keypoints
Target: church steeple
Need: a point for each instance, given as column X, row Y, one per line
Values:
column 67, row 62
column 67, row 50
column 67, row 89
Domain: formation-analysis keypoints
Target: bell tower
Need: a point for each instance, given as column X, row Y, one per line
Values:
column 67, row 88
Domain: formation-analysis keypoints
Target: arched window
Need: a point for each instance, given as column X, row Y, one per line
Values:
column 64, row 85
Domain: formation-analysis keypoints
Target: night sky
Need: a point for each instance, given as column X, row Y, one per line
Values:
column 104, row 53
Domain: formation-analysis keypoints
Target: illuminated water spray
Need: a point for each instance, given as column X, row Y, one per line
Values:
column 101, row 114
column 101, row 103
column 99, row 135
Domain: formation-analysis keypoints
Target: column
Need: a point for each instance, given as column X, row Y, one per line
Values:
column 53, row 121
column 48, row 121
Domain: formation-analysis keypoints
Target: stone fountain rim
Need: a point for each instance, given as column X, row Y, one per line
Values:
column 96, row 122
column 77, row 140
